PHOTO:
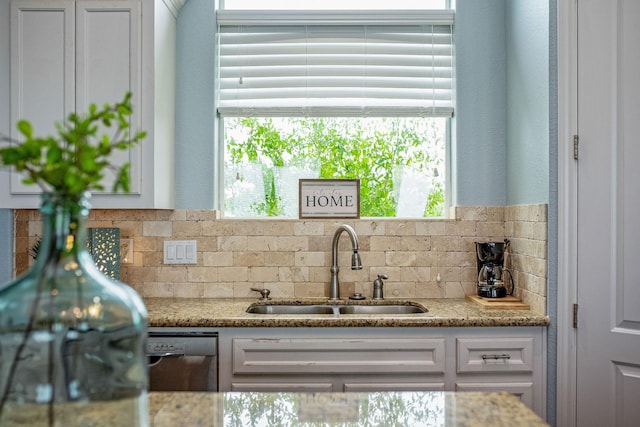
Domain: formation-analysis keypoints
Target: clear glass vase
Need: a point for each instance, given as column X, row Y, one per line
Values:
column 71, row 339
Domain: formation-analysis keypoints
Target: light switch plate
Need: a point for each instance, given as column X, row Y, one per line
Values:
column 180, row 252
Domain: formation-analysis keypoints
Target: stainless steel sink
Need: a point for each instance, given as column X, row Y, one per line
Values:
column 291, row 309
column 380, row 309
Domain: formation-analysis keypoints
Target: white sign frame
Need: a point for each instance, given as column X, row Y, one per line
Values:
column 329, row 198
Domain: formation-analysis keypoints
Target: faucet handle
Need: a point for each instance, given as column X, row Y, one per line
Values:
column 377, row 286
column 263, row 292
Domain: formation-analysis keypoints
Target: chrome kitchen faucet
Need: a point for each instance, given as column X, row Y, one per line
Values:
column 356, row 262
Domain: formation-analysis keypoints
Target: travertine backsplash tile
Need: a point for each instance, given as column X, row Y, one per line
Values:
column 526, row 226
column 423, row 258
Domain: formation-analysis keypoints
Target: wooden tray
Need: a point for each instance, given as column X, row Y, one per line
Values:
column 506, row 303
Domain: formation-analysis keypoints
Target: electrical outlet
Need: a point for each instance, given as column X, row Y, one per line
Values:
column 126, row 251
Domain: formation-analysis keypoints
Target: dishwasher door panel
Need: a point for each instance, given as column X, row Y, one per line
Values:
column 182, row 373
column 182, row 361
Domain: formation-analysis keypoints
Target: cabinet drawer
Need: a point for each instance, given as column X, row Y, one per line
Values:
column 338, row 355
column 494, row 355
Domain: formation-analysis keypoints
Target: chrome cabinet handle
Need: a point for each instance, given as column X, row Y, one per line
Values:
column 496, row 356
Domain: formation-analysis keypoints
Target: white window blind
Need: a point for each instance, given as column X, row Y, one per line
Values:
column 326, row 63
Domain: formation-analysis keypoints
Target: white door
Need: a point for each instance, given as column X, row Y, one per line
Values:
column 608, row 282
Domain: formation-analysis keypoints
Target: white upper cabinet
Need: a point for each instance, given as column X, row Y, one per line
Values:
column 66, row 55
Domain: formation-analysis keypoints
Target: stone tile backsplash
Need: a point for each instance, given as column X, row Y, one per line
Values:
column 423, row 258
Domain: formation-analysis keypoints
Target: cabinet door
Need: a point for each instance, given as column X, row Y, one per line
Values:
column 108, row 64
column 42, row 68
column 68, row 54
column 502, row 363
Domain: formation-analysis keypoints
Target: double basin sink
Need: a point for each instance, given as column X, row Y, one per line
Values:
column 378, row 308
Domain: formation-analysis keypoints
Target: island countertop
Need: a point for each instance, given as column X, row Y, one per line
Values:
column 240, row 409
column 443, row 409
column 445, row 312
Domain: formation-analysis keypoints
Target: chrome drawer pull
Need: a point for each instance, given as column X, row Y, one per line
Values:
column 495, row 356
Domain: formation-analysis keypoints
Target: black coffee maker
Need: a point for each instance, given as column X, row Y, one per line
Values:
column 491, row 270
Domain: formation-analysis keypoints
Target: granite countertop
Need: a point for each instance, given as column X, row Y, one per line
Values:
column 240, row 409
column 186, row 312
column 445, row 409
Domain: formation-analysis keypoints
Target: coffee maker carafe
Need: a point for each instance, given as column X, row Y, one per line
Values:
column 491, row 270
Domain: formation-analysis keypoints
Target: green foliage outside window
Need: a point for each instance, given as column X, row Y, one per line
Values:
column 370, row 149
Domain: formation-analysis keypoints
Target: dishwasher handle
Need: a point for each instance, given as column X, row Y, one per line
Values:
column 168, row 354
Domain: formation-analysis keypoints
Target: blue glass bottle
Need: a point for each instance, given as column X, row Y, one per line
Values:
column 71, row 339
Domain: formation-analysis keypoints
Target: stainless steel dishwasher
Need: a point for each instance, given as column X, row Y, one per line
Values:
column 182, row 359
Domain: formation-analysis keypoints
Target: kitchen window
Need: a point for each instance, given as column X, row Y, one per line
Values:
column 332, row 93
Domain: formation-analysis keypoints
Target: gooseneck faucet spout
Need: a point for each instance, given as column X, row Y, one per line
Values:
column 356, row 262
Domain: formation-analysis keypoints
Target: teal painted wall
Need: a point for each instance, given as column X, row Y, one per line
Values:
column 195, row 112
column 527, row 109
column 6, row 216
column 478, row 152
column 6, row 245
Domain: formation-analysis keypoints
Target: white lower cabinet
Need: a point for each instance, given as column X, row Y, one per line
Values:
column 338, row 363
column 386, row 359
column 498, row 364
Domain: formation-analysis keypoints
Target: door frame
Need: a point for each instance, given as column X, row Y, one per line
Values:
column 566, row 392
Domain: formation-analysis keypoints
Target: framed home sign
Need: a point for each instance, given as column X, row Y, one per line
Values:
column 329, row 198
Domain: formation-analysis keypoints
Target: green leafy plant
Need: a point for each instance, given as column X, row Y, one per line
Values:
column 368, row 150
column 75, row 160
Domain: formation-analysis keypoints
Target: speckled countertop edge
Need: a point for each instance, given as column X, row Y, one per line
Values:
column 210, row 312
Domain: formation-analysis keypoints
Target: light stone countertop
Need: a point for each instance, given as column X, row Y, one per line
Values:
column 444, row 409
column 240, row 409
column 186, row 312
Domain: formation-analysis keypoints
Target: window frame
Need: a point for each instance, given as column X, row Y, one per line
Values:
column 219, row 148
column 448, row 4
